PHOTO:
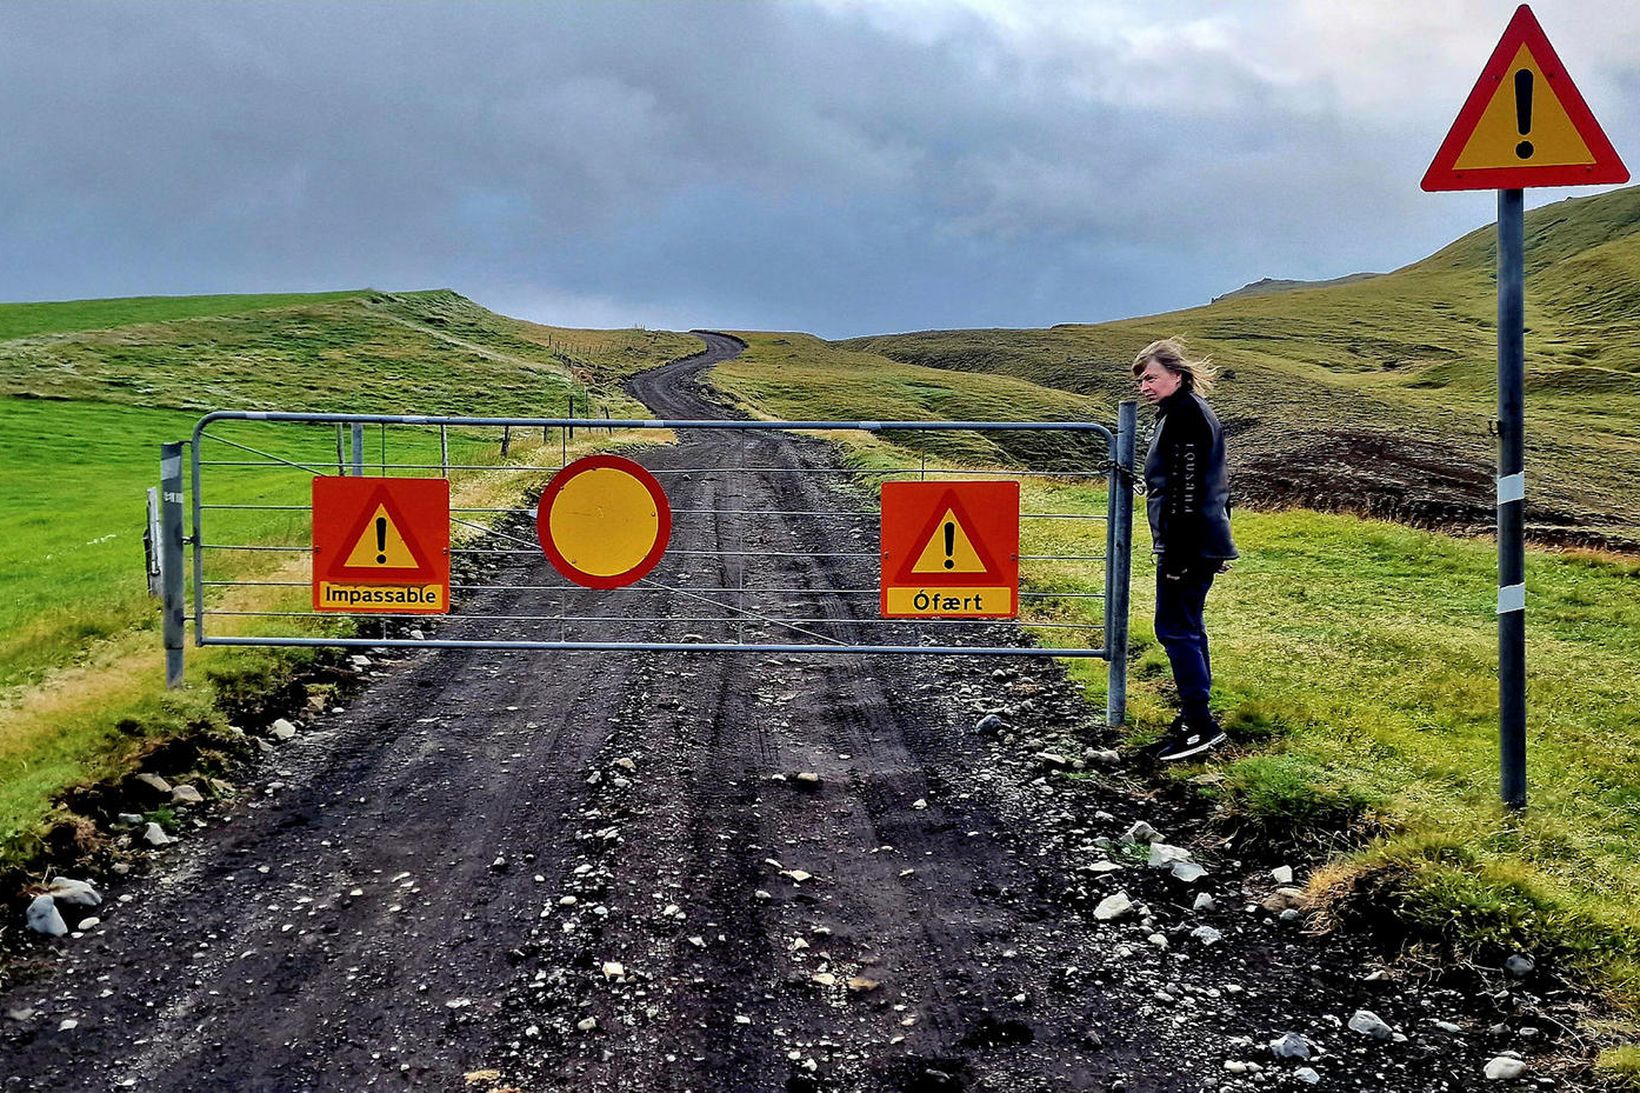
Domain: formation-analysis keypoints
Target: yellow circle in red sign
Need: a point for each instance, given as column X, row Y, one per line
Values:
column 604, row 521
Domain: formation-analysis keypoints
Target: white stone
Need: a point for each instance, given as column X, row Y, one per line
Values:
column 1162, row 855
column 1188, row 872
column 1140, row 832
column 155, row 782
column 1113, row 907
column 283, row 729
column 73, row 893
column 187, row 795
column 1370, row 1024
column 44, row 918
column 1282, row 874
column 154, row 835
column 1504, row 1068
column 1290, row 1045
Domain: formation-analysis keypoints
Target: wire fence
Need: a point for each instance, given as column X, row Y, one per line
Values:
column 774, row 547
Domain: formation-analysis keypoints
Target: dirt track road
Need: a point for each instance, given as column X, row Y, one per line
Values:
column 437, row 881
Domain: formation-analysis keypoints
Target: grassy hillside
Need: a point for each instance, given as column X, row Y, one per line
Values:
column 65, row 316
column 1376, row 396
column 1265, row 286
column 1354, row 664
column 88, row 408
column 83, row 409
column 421, row 352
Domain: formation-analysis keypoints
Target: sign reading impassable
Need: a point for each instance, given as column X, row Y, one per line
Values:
column 1524, row 124
column 604, row 521
column 381, row 545
column 950, row 549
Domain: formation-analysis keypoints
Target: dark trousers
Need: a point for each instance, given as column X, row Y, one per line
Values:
column 1181, row 593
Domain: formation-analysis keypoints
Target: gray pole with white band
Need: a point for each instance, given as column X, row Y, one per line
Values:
column 1512, row 494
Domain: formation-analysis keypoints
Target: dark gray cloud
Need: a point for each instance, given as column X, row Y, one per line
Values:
column 833, row 166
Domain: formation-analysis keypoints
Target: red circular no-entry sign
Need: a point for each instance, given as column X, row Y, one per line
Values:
column 604, row 521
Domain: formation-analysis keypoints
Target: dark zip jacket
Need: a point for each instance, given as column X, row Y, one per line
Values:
column 1187, row 486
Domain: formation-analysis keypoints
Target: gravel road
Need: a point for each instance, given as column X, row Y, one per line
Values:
column 602, row 872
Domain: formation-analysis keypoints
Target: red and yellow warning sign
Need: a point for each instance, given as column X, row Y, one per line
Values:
column 604, row 521
column 1524, row 124
column 950, row 549
column 381, row 545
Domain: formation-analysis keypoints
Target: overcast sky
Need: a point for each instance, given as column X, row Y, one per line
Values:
column 839, row 166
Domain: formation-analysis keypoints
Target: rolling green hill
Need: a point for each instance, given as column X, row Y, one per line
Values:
column 89, row 389
column 416, row 352
column 1376, row 396
column 65, row 316
column 1264, row 286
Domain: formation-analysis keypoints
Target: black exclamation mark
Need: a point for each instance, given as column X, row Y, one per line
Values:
column 1523, row 111
column 381, row 540
column 950, row 544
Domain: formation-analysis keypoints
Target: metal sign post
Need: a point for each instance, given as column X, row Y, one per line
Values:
column 1524, row 124
column 1512, row 495
column 170, row 560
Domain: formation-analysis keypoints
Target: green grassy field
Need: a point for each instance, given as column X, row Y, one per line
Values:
column 73, row 316
column 82, row 414
column 1402, row 365
column 1355, row 665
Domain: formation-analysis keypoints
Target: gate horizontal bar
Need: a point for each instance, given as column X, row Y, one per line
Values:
column 838, row 515
column 534, row 468
column 750, row 621
column 637, row 588
column 658, row 423
column 657, row 647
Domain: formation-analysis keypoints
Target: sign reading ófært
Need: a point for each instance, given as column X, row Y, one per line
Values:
column 950, row 549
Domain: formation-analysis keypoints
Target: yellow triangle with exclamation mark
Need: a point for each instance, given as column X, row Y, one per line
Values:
column 381, row 546
column 949, row 550
column 1524, row 124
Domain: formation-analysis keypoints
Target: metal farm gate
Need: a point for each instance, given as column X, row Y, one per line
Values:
column 774, row 539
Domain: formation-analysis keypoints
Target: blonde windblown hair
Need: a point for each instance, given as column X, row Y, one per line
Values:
column 1196, row 375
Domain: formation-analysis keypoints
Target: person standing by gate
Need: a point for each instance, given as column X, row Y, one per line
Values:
column 1187, row 495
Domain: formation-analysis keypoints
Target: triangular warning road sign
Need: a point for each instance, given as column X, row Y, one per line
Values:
column 383, row 542
column 382, row 545
column 949, row 549
column 1524, row 124
column 946, row 547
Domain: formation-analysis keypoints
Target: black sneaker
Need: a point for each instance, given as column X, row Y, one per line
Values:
column 1187, row 740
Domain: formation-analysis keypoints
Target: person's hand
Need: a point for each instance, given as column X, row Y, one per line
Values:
column 1226, row 565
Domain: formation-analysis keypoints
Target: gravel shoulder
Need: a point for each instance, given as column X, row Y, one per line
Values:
column 706, row 872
